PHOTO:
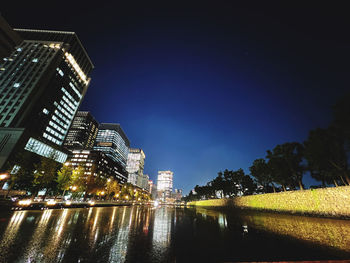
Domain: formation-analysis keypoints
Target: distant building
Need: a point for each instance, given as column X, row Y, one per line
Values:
column 164, row 184
column 142, row 181
column 150, row 186
column 42, row 83
column 112, row 140
column 177, row 194
column 135, row 165
column 82, row 134
column 97, row 163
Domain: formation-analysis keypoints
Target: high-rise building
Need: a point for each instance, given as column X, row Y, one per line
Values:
column 150, row 186
column 9, row 39
column 42, row 83
column 97, row 164
column 135, row 165
column 142, row 181
column 177, row 195
column 112, row 140
column 83, row 132
column 165, row 183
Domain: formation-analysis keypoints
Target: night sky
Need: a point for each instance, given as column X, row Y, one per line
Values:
column 203, row 86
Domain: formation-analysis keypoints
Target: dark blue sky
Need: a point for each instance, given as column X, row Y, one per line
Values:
column 204, row 86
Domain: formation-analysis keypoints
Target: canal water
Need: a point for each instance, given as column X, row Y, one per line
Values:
column 167, row 234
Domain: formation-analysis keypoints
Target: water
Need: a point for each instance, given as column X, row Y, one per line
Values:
column 166, row 234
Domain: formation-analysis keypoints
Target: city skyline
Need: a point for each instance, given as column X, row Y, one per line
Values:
column 233, row 91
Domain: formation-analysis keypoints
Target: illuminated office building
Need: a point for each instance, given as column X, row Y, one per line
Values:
column 135, row 165
column 9, row 39
column 112, row 140
column 142, row 181
column 165, row 183
column 97, row 164
column 42, row 83
column 83, row 132
column 150, row 186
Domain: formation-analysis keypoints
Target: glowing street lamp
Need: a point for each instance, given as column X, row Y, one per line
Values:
column 3, row 176
column 74, row 188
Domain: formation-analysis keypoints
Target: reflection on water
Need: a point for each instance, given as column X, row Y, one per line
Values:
column 164, row 234
column 332, row 233
column 328, row 232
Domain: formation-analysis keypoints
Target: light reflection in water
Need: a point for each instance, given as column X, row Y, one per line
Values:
column 143, row 234
column 119, row 248
column 34, row 248
column 328, row 232
column 331, row 233
column 222, row 221
column 11, row 231
column 161, row 229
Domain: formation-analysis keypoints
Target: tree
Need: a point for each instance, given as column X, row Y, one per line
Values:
column 45, row 173
column 218, row 185
column 21, row 171
column 326, row 156
column 248, row 185
column 64, row 178
column 262, row 173
column 285, row 162
column 78, row 179
column 341, row 119
column 112, row 187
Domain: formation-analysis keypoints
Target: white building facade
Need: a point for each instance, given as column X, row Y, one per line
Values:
column 165, row 183
column 135, row 166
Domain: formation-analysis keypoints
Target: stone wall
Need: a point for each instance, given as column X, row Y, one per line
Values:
column 329, row 202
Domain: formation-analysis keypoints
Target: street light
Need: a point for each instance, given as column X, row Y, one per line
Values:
column 74, row 188
column 3, row 176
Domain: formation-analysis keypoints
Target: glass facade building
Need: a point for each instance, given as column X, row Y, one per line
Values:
column 165, row 183
column 97, row 164
column 8, row 38
column 42, row 83
column 112, row 140
column 83, row 132
column 135, row 166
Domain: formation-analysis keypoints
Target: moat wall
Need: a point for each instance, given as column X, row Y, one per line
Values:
column 327, row 202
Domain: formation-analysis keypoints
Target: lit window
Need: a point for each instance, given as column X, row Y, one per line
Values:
column 16, row 85
column 45, row 111
column 35, row 60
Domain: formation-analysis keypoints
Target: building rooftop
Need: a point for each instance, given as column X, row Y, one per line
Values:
column 71, row 38
column 116, row 127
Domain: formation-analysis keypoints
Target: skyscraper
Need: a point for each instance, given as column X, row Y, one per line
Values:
column 135, row 165
column 142, row 181
column 96, row 164
column 8, row 38
column 42, row 83
column 83, row 132
column 165, row 183
column 112, row 140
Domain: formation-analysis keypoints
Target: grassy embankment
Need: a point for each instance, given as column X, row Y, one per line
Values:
column 328, row 202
